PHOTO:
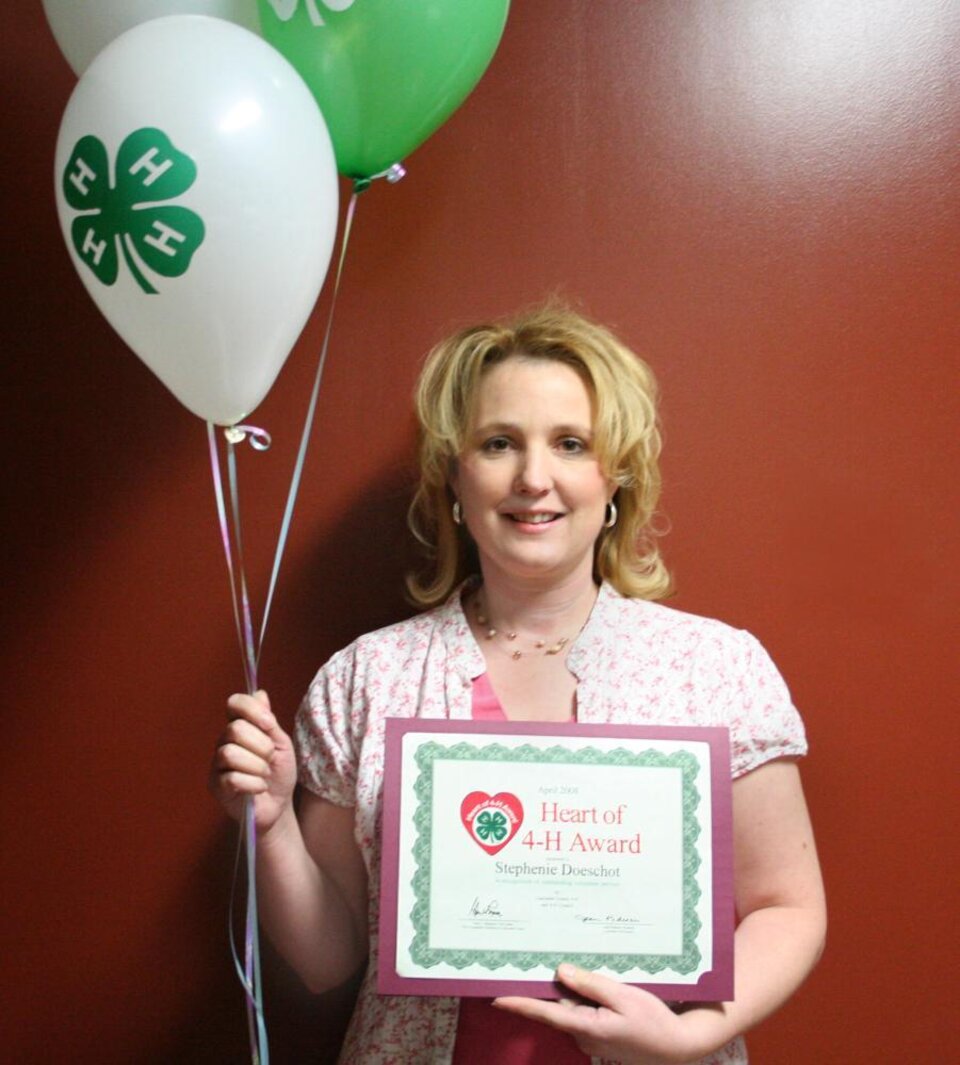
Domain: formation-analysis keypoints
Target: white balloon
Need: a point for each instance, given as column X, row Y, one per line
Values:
column 82, row 28
column 209, row 278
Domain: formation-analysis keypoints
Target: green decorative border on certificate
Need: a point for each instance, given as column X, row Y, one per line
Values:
column 426, row 956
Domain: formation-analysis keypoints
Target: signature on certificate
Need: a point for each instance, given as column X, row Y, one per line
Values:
column 608, row 919
column 485, row 909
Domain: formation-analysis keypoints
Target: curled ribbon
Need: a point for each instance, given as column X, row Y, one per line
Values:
column 260, row 439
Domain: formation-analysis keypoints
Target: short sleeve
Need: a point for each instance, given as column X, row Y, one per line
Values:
column 764, row 724
column 325, row 733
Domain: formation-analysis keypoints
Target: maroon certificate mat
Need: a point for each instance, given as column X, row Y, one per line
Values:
column 511, row 847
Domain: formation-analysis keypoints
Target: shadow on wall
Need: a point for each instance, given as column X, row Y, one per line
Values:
column 350, row 583
column 302, row 1028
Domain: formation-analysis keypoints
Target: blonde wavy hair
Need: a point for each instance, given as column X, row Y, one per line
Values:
column 626, row 439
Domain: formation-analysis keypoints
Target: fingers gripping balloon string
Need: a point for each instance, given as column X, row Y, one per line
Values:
column 251, row 645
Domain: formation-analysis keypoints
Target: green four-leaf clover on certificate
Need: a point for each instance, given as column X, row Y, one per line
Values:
column 491, row 825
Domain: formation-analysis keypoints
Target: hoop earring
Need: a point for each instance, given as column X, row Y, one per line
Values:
column 610, row 518
column 457, row 512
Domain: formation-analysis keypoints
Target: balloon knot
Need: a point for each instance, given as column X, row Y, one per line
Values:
column 259, row 438
column 393, row 174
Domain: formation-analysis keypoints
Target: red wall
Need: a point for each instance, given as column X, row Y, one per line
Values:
column 762, row 197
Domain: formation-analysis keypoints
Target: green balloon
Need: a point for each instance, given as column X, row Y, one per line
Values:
column 386, row 73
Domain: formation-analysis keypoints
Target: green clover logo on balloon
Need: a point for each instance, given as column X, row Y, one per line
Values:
column 491, row 826
column 132, row 215
column 286, row 9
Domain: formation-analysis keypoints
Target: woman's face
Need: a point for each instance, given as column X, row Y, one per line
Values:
column 530, row 485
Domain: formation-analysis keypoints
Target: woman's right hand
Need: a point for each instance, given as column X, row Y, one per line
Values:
column 254, row 759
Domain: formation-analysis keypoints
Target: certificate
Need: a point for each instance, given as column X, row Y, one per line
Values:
column 511, row 847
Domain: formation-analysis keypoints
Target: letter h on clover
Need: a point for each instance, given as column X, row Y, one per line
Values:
column 131, row 215
column 286, row 9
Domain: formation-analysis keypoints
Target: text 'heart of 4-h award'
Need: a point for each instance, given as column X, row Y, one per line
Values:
column 509, row 848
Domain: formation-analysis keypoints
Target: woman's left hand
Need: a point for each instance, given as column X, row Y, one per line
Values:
column 779, row 900
column 626, row 1024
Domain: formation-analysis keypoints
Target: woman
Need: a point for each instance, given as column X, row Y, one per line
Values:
column 539, row 479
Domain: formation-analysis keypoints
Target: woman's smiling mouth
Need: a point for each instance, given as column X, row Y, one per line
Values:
column 539, row 517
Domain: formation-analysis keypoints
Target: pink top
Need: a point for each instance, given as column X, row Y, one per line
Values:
column 484, row 1033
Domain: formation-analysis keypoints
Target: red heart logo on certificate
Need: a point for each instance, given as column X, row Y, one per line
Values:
column 491, row 820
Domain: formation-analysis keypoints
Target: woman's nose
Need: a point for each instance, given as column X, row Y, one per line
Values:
column 533, row 472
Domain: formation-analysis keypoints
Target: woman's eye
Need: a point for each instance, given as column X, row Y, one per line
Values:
column 571, row 445
column 496, row 443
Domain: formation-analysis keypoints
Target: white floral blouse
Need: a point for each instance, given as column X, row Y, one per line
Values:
column 636, row 662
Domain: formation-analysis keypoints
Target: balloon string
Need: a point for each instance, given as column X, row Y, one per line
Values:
column 252, row 983
column 225, row 534
column 249, row 971
column 250, row 646
column 251, row 654
column 259, row 1047
column 308, row 421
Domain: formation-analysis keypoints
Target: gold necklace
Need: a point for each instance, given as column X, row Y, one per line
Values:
column 491, row 632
